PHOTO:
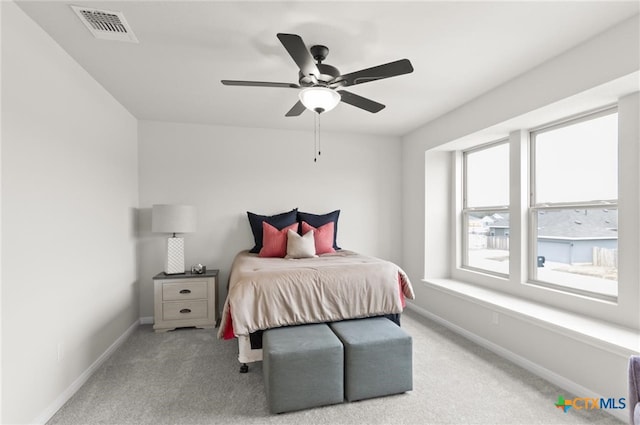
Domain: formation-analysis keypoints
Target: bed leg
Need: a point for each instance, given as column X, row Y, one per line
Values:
column 244, row 368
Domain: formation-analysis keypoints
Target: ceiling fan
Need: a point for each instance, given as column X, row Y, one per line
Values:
column 322, row 84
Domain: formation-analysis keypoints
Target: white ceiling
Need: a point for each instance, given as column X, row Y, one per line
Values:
column 459, row 50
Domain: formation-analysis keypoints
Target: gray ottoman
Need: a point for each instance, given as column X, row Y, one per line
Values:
column 303, row 367
column 378, row 358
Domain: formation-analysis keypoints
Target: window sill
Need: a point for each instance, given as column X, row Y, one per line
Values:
column 605, row 335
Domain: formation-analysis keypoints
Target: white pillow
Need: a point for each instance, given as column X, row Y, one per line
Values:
column 300, row 246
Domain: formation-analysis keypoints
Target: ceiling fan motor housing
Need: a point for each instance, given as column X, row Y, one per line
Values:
column 327, row 74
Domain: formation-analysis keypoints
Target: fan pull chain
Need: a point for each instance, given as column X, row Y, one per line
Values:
column 316, row 137
column 319, row 135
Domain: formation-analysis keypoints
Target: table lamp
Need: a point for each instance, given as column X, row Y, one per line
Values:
column 174, row 219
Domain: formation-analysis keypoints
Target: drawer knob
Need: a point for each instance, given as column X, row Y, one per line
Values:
column 185, row 310
column 185, row 291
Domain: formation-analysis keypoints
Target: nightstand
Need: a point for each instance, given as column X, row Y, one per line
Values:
column 185, row 300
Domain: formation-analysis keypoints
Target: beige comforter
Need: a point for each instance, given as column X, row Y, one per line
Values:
column 271, row 292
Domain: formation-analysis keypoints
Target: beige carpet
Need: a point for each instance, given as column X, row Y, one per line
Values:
column 190, row 377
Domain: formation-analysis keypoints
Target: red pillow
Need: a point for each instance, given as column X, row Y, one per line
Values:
column 323, row 236
column 274, row 241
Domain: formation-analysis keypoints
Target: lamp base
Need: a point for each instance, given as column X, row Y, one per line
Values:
column 175, row 256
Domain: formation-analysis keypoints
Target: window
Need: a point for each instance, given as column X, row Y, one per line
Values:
column 485, row 213
column 574, row 205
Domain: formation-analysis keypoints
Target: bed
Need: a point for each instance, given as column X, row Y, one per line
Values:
column 266, row 293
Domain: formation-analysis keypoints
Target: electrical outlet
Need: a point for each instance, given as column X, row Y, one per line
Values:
column 495, row 318
column 60, row 351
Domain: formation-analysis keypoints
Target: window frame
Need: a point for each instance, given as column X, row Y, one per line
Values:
column 464, row 254
column 534, row 207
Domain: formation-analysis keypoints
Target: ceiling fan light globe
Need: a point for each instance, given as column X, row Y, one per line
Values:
column 319, row 99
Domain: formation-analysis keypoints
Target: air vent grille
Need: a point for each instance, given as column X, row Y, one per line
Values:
column 105, row 24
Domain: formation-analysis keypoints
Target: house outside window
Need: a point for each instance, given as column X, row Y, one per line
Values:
column 574, row 205
column 485, row 215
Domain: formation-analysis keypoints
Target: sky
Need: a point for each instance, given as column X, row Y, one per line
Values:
column 574, row 163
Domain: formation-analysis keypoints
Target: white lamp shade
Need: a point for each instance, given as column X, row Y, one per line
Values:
column 319, row 99
column 173, row 219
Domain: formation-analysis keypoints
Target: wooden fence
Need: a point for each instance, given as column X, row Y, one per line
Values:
column 605, row 257
column 498, row 242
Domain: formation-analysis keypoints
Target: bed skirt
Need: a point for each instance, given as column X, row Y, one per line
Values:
column 250, row 347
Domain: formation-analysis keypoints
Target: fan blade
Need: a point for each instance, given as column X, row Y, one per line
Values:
column 258, row 84
column 297, row 109
column 299, row 53
column 391, row 69
column 360, row 102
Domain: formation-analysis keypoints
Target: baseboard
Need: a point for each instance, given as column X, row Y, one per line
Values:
column 84, row 377
column 147, row 320
column 559, row 380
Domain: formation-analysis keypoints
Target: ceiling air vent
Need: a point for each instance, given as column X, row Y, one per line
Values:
column 105, row 24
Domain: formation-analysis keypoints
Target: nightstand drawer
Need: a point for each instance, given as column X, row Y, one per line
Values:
column 187, row 310
column 184, row 291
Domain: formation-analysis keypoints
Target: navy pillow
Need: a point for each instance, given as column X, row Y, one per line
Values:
column 316, row 220
column 279, row 221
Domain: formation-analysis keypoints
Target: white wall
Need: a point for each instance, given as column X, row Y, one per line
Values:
column 227, row 171
column 596, row 73
column 69, row 193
